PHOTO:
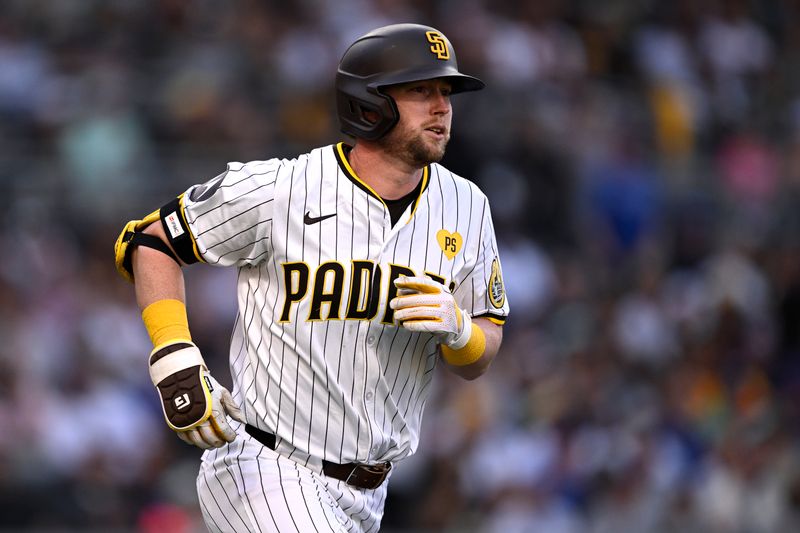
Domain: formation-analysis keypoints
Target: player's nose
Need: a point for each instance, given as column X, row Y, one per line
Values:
column 440, row 104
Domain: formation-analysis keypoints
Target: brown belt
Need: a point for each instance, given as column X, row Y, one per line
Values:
column 359, row 475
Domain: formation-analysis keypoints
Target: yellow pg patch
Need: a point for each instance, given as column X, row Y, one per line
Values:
column 450, row 243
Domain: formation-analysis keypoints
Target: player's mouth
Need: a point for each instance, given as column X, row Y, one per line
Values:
column 439, row 131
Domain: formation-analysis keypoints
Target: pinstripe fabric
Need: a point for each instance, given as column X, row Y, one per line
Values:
column 245, row 487
column 332, row 380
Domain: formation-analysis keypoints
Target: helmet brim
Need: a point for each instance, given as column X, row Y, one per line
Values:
column 460, row 82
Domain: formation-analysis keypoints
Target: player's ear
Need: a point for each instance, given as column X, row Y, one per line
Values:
column 370, row 116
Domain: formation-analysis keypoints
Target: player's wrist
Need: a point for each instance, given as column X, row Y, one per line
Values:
column 166, row 322
column 464, row 330
column 465, row 352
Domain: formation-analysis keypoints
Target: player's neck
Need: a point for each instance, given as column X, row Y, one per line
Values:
column 387, row 176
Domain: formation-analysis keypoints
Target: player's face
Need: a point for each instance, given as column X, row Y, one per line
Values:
column 420, row 137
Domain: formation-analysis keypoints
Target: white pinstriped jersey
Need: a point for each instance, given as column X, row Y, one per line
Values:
column 315, row 357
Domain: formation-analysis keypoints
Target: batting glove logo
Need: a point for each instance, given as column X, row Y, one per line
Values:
column 182, row 402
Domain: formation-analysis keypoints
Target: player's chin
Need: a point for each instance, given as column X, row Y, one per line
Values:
column 438, row 153
column 430, row 151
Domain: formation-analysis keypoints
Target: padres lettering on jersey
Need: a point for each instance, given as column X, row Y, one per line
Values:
column 315, row 355
column 323, row 293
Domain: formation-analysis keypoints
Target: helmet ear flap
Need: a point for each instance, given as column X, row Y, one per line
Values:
column 354, row 103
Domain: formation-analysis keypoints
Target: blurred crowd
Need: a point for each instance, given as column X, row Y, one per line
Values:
column 643, row 163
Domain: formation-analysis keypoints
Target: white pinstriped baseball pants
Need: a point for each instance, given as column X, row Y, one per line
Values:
column 245, row 487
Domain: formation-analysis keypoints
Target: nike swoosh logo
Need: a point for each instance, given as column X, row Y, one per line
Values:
column 308, row 219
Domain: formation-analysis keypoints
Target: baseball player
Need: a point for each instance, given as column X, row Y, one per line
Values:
column 360, row 267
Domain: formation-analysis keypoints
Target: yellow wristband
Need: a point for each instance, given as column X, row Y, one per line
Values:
column 470, row 353
column 165, row 320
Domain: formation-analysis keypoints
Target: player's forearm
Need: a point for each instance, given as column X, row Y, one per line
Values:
column 160, row 293
column 494, row 337
column 157, row 276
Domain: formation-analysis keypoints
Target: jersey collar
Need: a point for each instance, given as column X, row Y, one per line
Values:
column 341, row 150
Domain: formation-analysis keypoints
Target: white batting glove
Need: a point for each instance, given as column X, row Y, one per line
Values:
column 423, row 304
column 195, row 405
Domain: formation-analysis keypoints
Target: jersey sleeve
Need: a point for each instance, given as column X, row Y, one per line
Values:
column 230, row 216
column 482, row 293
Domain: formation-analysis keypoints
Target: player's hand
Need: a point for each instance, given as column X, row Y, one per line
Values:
column 195, row 405
column 423, row 304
